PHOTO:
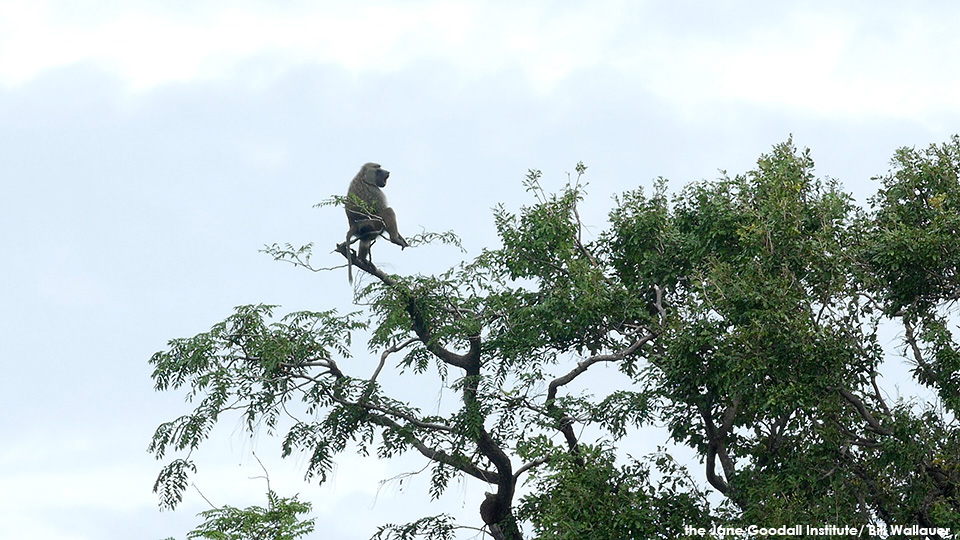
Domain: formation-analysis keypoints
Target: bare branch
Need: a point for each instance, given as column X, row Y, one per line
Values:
column 658, row 302
column 911, row 339
column 266, row 475
column 872, row 422
column 366, row 266
column 716, row 448
column 565, row 422
column 439, row 456
column 388, row 352
column 876, row 393
column 585, row 365
column 527, row 466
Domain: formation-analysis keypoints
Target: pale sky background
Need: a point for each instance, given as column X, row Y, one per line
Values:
column 149, row 149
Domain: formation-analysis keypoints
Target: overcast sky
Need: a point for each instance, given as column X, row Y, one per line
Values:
column 149, row 149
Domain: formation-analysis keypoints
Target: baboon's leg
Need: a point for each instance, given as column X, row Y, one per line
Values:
column 366, row 231
column 367, row 227
column 363, row 252
column 390, row 225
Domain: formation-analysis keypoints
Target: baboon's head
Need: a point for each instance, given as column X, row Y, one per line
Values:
column 373, row 174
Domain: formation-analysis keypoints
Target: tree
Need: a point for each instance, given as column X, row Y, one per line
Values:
column 278, row 521
column 742, row 314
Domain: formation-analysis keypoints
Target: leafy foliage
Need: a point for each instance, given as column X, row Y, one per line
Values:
column 440, row 527
column 915, row 248
column 566, row 504
column 278, row 521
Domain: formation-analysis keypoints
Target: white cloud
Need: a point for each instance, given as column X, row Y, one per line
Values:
column 151, row 48
column 20, row 525
column 823, row 60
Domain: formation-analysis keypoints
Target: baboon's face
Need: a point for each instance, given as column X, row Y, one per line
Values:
column 382, row 175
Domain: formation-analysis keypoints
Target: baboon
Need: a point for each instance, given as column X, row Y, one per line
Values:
column 368, row 213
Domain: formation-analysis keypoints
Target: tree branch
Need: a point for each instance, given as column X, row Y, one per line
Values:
column 585, row 365
column 439, row 456
column 418, row 323
column 716, row 448
column 366, row 266
column 911, row 339
column 527, row 466
column 876, row 393
column 421, row 328
column 383, row 356
column 872, row 422
column 564, row 422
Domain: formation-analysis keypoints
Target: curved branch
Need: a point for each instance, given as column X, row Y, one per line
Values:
column 872, row 422
column 383, row 356
column 564, row 422
column 418, row 322
column 712, row 477
column 717, row 448
column 468, row 361
column 585, row 365
column 366, row 266
column 911, row 339
column 439, row 456
column 527, row 466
